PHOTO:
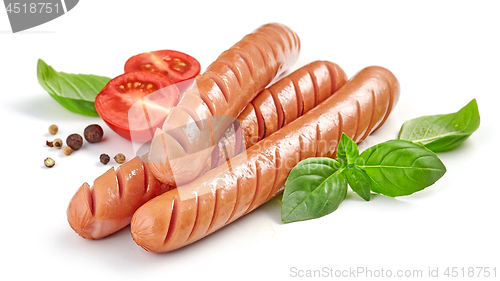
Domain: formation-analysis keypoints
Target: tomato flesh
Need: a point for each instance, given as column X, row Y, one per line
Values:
column 134, row 104
column 175, row 65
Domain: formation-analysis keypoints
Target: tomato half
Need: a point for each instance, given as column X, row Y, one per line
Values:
column 175, row 65
column 134, row 104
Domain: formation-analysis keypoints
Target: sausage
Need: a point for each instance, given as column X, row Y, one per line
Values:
column 106, row 207
column 190, row 212
column 182, row 149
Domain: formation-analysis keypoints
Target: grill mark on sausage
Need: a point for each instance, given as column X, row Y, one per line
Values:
column 259, row 47
column 279, row 109
column 173, row 221
column 358, row 124
column 164, row 145
column 195, row 224
column 207, row 101
column 233, row 69
column 315, row 84
column 374, row 106
column 237, row 203
column 389, row 107
column 215, row 213
column 193, row 115
column 281, row 43
column 260, row 122
column 277, row 165
column 297, row 40
column 318, row 137
column 119, row 182
column 300, row 101
column 247, row 61
column 215, row 157
column 209, row 121
column 257, row 187
column 341, row 123
column 275, row 53
column 146, row 187
column 279, row 30
column 90, row 198
column 333, row 74
column 265, row 188
column 239, row 141
column 220, row 83
column 301, row 147
column 93, row 198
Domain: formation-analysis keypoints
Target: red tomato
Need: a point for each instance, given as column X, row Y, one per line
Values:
column 134, row 104
column 175, row 65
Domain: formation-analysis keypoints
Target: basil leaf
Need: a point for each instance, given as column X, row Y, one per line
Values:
column 399, row 167
column 347, row 150
column 314, row 188
column 359, row 181
column 76, row 92
column 442, row 132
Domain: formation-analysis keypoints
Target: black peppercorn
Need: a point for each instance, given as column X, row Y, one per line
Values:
column 74, row 141
column 104, row 158
column 93, row 133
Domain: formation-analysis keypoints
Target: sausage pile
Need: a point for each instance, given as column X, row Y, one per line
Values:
column 202, row 173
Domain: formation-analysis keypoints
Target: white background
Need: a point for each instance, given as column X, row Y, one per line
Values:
column 443, row 53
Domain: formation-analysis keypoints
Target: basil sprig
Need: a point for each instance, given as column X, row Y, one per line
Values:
column 444, row 131
column 76, row 92
column 317, row 186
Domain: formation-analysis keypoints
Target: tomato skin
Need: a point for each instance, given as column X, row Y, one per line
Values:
column 175, row 65
column 134, row 104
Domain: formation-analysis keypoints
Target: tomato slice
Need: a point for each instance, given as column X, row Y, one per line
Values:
column 175, row 65
column 134, row 104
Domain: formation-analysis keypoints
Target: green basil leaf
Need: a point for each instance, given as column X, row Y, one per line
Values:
column 442, row 132
column 359, row 181
column 347, row 150
column 314, row 188
column 399, row 167
column 76, row 92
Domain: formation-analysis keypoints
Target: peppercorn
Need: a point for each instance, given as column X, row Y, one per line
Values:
column 49, row 143
column 120, row 158
column 104, row 158
column 93, row 133
column 57, row 143
column 49, row 162
column 53, row 129
column 67, row 150
column 74, row 141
